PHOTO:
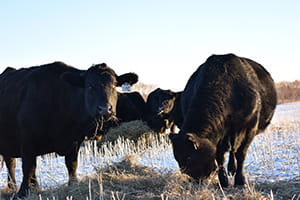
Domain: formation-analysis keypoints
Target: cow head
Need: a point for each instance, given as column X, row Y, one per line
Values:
column 99, row 84
column 159, row 106
column 195, row 155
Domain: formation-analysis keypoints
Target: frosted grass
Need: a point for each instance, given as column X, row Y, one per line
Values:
column 273, row 155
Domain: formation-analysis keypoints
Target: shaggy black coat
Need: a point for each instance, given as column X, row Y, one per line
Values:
column 52, row 108
column 226, row 102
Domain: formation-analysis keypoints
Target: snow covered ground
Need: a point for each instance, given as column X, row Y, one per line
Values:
column 274, row 155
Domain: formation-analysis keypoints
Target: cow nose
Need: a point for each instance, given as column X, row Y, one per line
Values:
column 105, row 110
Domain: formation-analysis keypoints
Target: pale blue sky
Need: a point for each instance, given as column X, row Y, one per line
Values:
column 163, row 41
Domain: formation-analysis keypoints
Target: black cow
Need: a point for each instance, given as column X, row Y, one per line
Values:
column 130, row 106
column 226, row 102
column 8, row 69
column 52, row 108
column 163, row 110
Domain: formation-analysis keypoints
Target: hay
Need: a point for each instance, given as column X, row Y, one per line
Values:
column 130, row 180
column 128, row 130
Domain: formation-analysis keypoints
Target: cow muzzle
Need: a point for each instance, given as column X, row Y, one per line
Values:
column 105, row 111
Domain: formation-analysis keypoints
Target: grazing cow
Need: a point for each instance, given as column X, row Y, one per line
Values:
column 52, row 108
column 226, row 102
column 163, row 110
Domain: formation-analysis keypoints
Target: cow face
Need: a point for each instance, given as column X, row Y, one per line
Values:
column 100, row 91
column 99, row 84
column 195, row 156
column 159, row 106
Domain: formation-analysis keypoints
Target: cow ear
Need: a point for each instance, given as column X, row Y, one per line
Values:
column 130, row 78
column 74, row 79
column 194, row 139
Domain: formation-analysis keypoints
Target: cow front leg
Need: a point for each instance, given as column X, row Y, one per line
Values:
column 223, row 178
column 28, row 168
column 71, row 164
column 11, row 178
column 231, row 167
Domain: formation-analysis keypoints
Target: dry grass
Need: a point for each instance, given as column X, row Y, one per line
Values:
column 282, row 190
column 129, row 179
column 130, row 130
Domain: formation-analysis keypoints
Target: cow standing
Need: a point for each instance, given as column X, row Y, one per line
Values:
column 52, row 108
column 226, row 102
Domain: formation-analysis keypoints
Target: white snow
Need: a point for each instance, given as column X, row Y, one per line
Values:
column 274, row 155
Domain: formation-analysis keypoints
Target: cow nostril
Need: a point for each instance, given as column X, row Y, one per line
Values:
column 105, row 110
column 109, row 108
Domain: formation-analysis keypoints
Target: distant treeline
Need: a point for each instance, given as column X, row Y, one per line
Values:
column 288, row 91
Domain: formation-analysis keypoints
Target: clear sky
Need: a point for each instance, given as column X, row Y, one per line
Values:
column 163, row 41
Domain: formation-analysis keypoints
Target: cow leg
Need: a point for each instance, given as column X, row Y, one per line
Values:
column 231, row 163
column 223, row 178
column 71, row 164
column 242, row 151
column 11, row 178
column 28, row 168
column 33, row 179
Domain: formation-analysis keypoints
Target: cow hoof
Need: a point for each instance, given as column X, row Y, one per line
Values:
column 223, row 178
column 21, row 194
column 73, row 181
column 224, row 182
column 239, row 180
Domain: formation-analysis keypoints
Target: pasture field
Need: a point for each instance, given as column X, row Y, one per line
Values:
column 145, row 169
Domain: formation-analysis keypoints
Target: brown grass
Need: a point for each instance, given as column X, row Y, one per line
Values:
column 129, row 180
column 130, row 130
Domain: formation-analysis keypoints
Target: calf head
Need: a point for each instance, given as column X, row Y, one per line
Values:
column 195, row 155
column 159, row 106
column 99, row 84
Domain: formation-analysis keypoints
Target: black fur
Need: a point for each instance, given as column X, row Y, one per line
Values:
column 163, row 110
column 52, row 108
column 226, row 102
column 130, row 107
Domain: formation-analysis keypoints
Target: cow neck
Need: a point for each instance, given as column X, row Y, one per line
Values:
column 206, row 115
